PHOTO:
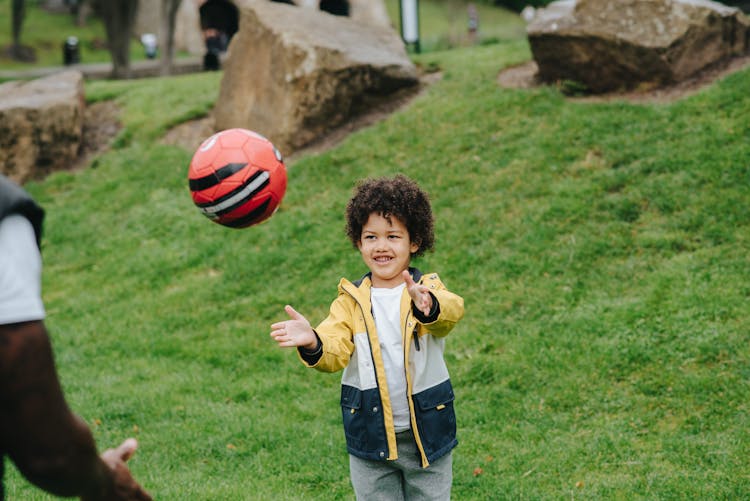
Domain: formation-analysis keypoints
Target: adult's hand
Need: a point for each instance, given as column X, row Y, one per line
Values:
column 123, row 484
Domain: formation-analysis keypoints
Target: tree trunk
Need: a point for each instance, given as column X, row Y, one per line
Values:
column 168, row 20
column 84, row 10
column 119, row 19
column 18, row 9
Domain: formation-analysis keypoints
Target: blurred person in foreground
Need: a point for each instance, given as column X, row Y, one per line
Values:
column 52, row 447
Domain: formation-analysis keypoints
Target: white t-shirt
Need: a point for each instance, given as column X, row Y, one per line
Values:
column 386, row 308
column 20, row 272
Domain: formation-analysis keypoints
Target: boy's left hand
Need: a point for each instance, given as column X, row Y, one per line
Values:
column 420, row 294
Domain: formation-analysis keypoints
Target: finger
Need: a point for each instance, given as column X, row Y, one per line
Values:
column 407, row 278
column 278, row 325
column 293, row 314
column 275, row 334
column 126, row 449
column 141, row 495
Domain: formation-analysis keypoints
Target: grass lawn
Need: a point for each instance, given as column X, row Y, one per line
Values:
column 601, row 249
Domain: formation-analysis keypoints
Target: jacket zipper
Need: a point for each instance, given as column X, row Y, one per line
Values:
column 372, row 356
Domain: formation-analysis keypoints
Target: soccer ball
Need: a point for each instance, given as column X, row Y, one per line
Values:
column 237, row 178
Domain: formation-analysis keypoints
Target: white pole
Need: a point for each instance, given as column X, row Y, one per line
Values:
column 409, row 21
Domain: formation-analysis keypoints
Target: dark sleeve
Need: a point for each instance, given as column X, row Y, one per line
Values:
column 52, row 447
column 312, row 356
column 434, row 312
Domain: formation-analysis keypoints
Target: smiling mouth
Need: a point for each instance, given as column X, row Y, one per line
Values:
column 382, row 259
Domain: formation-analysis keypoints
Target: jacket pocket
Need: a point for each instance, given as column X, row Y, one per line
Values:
column 436, row 419
column 363, row 423
column 354, row 421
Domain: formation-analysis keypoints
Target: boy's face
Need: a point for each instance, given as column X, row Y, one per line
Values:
column 386, row 249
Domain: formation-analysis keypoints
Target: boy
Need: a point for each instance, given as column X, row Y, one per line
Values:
column 387, row 332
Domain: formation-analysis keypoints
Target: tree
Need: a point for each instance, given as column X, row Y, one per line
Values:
column 168, row 19
column 119, row 19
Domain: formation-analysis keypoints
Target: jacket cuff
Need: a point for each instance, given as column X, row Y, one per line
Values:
column 312, row 356
column 434, row 312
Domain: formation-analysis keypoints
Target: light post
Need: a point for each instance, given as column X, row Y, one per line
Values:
column 410, row 22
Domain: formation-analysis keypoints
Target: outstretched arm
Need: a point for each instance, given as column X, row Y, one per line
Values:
column 52, row 447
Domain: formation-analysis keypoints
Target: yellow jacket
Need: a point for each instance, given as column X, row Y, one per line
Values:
column 349, row 341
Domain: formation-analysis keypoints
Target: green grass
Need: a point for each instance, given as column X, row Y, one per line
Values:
column 601, row 249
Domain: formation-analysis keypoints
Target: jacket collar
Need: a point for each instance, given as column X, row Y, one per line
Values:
column 416, row 275
column 360, row 289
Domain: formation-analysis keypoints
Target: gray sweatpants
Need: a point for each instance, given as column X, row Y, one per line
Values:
column 403, row 479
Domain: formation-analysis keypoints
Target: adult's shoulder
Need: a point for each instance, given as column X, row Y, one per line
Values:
column 16, row 227
column 20, row 271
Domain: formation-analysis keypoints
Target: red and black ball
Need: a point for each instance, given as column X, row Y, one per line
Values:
column 237, row 178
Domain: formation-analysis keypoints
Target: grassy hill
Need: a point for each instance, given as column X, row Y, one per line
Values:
column 601, row 248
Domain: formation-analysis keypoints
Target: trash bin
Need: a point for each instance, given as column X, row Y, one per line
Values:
column 149, row 44
column 71, row 51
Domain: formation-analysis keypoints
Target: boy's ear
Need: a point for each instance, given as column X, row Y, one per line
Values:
column 414, row 247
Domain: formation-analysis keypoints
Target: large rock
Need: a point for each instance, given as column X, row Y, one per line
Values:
column 370, row 12
column 189, row 37
column 293, row 74
column 616, row 45
column 41, row 122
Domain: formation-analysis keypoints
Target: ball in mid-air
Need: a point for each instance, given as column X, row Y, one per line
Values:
column 237, row 178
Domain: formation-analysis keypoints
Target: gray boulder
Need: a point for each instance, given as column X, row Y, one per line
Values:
column 41, row 123
column 618, row 45
column 294, row 74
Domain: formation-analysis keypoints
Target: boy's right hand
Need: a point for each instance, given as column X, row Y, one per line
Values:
column 294, row 332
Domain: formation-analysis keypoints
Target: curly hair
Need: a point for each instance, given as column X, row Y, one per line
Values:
column 398, row 197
